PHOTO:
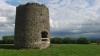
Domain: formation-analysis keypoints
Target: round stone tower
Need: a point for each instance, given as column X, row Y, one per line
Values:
column 32, row 28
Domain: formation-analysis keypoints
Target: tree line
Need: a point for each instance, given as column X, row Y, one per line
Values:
column 68, row 40
column 56, row 40
column 7, row 40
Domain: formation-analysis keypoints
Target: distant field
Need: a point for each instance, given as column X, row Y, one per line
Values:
column 54, row 50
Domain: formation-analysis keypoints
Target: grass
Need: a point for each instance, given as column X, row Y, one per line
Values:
column 54, row 50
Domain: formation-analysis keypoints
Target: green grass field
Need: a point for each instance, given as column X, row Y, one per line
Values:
column 54, row 50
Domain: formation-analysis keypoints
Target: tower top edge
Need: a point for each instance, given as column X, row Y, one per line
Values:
column 33, row 4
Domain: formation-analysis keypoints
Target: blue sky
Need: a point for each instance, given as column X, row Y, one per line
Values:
column 67, row 17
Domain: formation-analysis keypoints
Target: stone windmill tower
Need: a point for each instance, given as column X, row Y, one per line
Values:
column 32, row 29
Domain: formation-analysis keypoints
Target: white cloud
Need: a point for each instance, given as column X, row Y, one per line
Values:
column 3, row 19
column 76, row 17
column 7, row 14
column 65, row 15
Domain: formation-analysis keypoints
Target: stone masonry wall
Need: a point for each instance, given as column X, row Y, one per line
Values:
column 31, row 20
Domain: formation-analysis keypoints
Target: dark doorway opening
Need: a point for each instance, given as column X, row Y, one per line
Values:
column 44, row 34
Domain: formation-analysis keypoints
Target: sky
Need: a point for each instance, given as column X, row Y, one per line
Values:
column 67, row 17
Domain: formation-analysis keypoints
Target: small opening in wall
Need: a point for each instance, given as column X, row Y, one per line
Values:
column 44, row 34
column 44, row 40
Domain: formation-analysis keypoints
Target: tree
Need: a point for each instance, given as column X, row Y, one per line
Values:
column 8, row 39
column 82, row 40
column 1, row 41
column 98, row 42
column 56, row 40
column 67, row 40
